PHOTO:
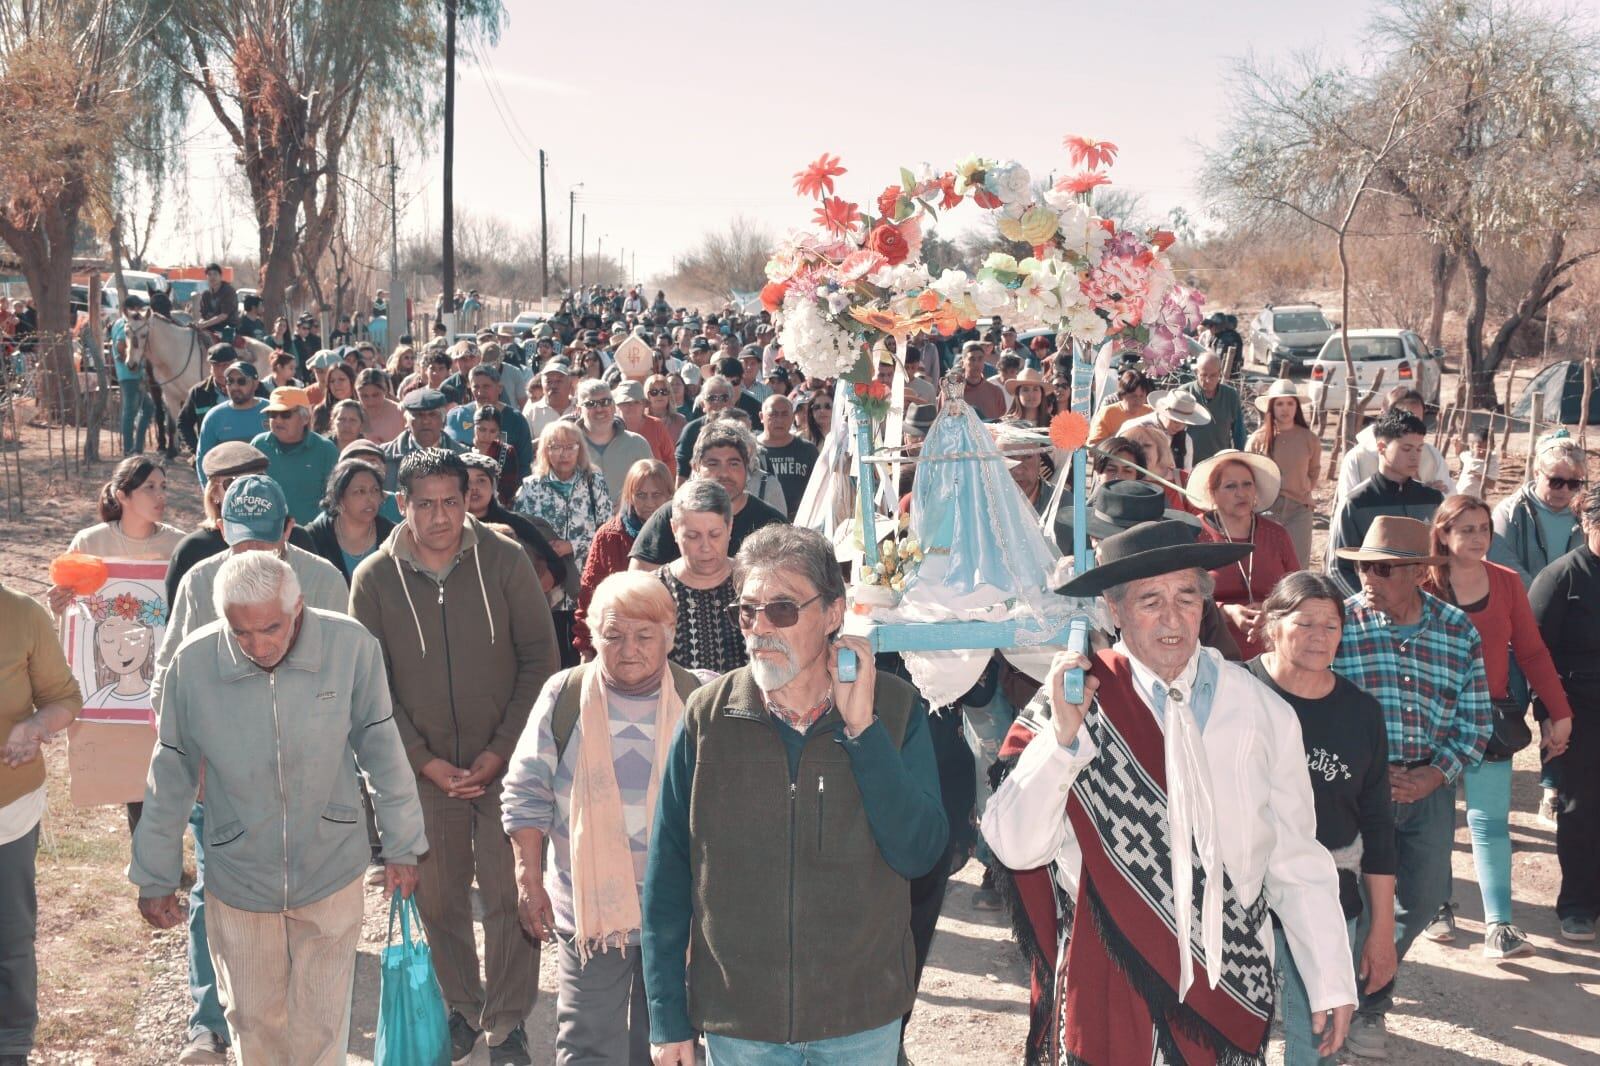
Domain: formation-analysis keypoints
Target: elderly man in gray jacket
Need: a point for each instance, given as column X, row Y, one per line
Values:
column 274, row 699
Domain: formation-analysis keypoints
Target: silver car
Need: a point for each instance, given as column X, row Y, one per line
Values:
column 1288, row 336
column 1399, row 353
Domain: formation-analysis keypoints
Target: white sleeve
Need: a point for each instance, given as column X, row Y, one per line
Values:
column 1349, row 474
column 1301, row 883
column 1025, row 821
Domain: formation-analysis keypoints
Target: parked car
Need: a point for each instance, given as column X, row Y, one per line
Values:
column 532, row 318
column 1288, row 336
column 516, row 329
column 1399, row 353
column 184, row 290
column 110, row 311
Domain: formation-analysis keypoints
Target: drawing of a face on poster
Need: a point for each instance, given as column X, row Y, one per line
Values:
column 112, row 642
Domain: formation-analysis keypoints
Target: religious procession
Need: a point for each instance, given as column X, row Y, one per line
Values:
column 983, row 650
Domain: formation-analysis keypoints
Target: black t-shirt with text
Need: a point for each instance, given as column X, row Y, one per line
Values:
column 791, row 464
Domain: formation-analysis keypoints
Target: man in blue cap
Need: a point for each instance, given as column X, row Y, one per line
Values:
column 241, row 418
column 425, row 410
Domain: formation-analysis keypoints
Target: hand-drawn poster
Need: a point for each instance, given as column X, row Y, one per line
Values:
column 111, row 639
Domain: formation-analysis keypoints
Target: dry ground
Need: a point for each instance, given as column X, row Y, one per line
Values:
column 114, row 991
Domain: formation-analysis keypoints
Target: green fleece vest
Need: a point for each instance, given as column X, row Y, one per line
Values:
column 802, row 931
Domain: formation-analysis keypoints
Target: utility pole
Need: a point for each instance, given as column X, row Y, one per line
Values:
column 544, row 238
column 583, row 250
column 448, row 255
column 572, row 207
column 396, row 297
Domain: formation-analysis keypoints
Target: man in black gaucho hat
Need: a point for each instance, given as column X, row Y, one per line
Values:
column 1173, row 809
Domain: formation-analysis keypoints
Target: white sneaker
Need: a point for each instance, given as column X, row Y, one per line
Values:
column 1547, row 809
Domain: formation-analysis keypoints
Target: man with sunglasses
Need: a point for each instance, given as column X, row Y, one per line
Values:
column 612, row 448
column 1422, row 659
column 1394, row 490
column 796, row 807
column 716, row 396
column 241, row 418
column 298, row 459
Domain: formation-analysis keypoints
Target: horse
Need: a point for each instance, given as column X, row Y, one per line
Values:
column 177, row 355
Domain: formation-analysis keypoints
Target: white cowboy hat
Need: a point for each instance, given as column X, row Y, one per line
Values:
column 1282, row 387
column 1180, row 406
column 1268, row 478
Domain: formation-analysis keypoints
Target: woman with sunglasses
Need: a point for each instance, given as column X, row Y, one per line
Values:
column 701, row 580
column 818, row 417
column 1493, row 597
column 1537, row 523
column 659, row 403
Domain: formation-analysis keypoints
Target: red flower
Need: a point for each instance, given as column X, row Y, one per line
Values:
column 887, row 199
column 948, row 195
column 872, row 390
column 1086, row 151
column 1082, row 182
column 986, row 199
column 887, row 240
column 837, row 216
column 1162, row 239
column 817, row 178
column 772, row 295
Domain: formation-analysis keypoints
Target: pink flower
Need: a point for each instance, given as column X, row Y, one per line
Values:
column 1082, row 182
column 1086, row 151
column 817, row 178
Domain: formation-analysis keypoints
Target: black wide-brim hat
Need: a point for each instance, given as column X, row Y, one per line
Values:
column 1150, row 550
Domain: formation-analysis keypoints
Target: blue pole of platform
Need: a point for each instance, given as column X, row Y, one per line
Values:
column 866, row 491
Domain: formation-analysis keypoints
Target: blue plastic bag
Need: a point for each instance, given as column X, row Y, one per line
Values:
column 413, row 1028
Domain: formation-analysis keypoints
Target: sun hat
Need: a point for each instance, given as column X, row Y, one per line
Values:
column 1150, row 550
column 1026, row 376
column 287, row 398
column 254, row 508
column 1180, row 406
column 1280, row 388
column 1269, row 479
column 1393, row 539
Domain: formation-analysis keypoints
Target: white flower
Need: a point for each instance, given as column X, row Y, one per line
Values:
column 1010, row 182
column 813, row 341
column 952, row 284
column 989, row 296
column 1081, row 232
column 1086, row 326
column 838, row 301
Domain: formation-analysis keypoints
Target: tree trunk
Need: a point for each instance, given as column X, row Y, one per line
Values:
column 277, row 261
column 1473, row 359
column 1542, row 289
column 1445, row 266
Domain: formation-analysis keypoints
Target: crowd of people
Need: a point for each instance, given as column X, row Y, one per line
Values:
column 532, row 614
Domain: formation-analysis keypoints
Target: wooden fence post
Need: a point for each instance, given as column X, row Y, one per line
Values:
column 1533, row 432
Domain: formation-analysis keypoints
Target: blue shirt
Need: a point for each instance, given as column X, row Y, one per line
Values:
column 119, row 331
column 226, row 422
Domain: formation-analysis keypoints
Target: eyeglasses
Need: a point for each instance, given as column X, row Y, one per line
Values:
column 781, row 613
column 718, row 397
column 1367, row 566
column 275, row 415
column 563, row 448
column 659, row 392
column 591, row 404
column 1573, row 483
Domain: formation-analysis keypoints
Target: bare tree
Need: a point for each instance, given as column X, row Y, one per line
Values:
column 732, row 258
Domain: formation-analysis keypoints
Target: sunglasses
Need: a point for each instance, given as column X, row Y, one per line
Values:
column 1381, row 569
column 592, row 404
column 718, row 397
column 275, row 415
column 1573, row 483
column 781, row 613
column 659, row 392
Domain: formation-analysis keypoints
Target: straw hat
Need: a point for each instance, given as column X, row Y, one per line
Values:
column 1280, row 388
column 1026, row 376
column 1393, row 539
column 1180, row 406
column 1269, row 479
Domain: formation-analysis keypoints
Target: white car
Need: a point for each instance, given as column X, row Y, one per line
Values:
column 1399, row 353
column 1287, row 337
column 531, row 318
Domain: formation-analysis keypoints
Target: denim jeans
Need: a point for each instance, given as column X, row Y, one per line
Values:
column 1424, row 834
column 1488, row 819
column 873, row 1047
column 19, row 967
column 207, row 1014
column 135, row 406
column 1294, row 1007
column 985, row 728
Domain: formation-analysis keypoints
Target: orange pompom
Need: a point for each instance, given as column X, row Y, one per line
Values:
column 1069, row 431
column 83, row 574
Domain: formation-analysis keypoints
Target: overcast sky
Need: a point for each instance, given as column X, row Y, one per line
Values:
column 677, row 116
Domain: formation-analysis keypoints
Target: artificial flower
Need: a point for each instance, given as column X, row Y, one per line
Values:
column 1162, row 239
column 838, row 301
column 968, row 173
column 813, row 342
column 886, row 239
column 1084, row 325
column 1083, row 182
column 1000, row 263
column 948, row 197
column 858, row 265
column 986, row 199
column 817, row 178
column 1009, row 182
column 990, row 296
column 1088, row 152
column 888, row 199
column 1036, row 226
column 837, row 216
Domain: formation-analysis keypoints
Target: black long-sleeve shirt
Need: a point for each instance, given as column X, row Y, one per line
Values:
column 1347, row 755
column 1566, row 602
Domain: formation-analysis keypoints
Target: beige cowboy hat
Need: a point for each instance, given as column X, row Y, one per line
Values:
column 1026, row 376
column 1280, row 388
column 1269, row 479
column 1180, row 406
column 1393, row 539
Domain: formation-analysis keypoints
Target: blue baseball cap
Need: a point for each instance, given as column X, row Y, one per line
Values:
column 254, row 508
